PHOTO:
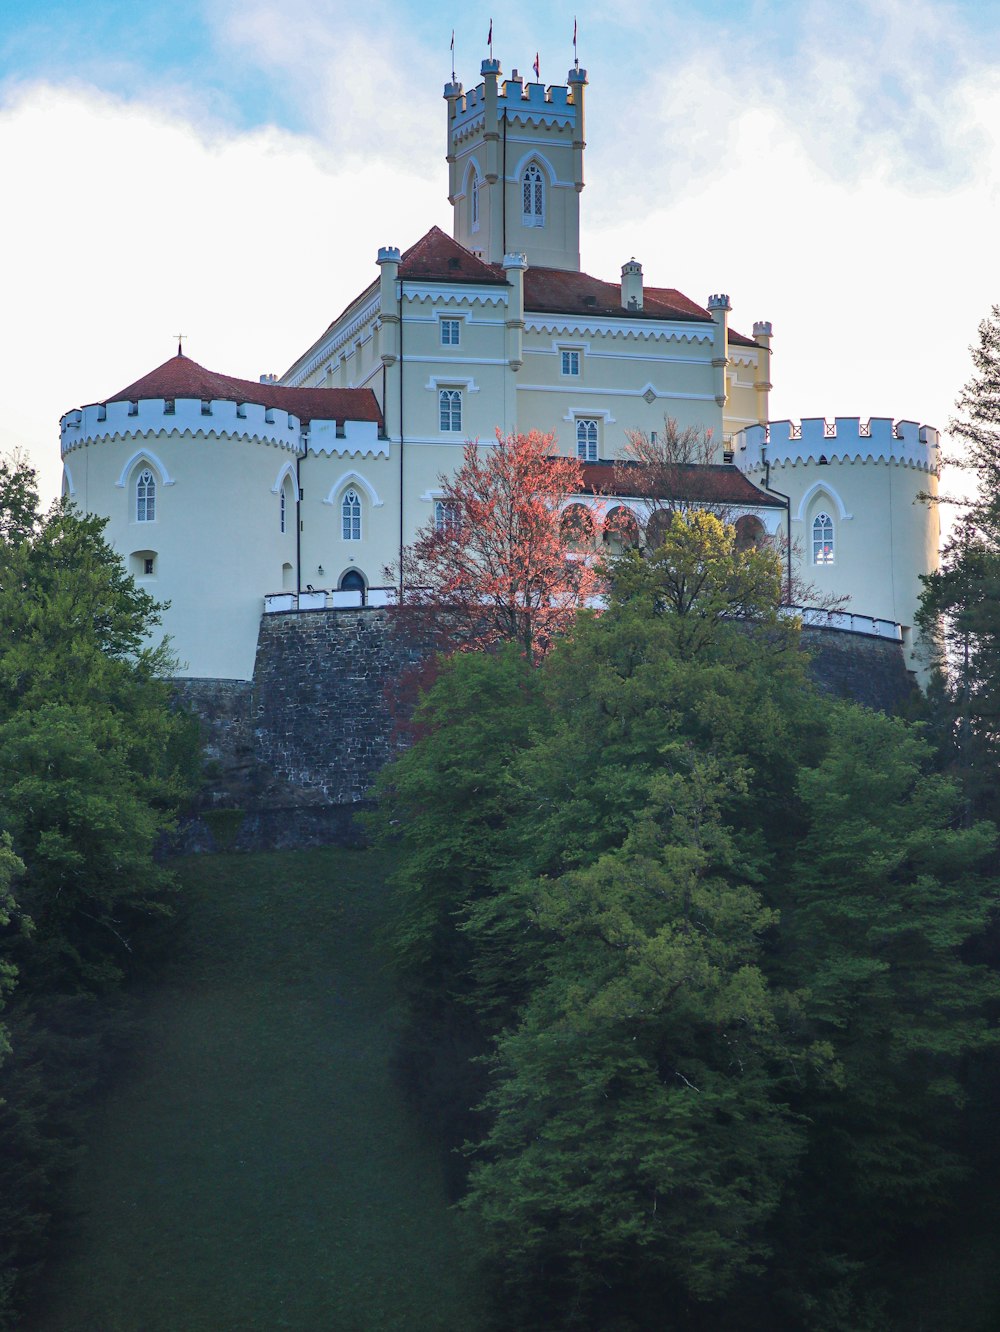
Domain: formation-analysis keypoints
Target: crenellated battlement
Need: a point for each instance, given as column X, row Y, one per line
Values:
column 845, row 439
column 218, row 417
column 555, row 104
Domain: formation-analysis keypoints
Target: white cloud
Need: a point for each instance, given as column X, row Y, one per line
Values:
column 124, row 225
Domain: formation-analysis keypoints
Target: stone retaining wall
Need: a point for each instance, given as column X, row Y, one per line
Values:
column 292, row 755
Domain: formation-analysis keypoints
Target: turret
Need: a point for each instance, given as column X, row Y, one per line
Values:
column 762, row 384
column 632, row 285
column 719, row 307
column 514, row 266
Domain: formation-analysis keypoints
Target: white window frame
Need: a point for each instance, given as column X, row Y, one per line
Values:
column 145, row 496
column 533, row 196
column 350, row 515
column 445, row 515
column 454, row 326
column 823, row 550
column 450, row 411
column 570, row 362
column 588, row 438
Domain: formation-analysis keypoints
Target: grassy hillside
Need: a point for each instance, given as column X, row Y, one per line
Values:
column 256, row 1168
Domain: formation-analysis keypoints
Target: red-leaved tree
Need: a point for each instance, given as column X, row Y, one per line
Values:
column 496, row 563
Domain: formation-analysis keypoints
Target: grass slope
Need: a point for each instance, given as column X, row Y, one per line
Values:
column 256, row 1169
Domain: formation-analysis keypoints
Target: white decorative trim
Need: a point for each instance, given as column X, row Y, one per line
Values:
column 533, row 155
column 287, row 470
column 70, row 490
column 589, row 413
column 814, row 489
column 609, row 393
column 326, row 347
column 353, row 478
column 451, row 381
column 150, row 457
column 491, row 293
column 663, row 330
column 431, row 495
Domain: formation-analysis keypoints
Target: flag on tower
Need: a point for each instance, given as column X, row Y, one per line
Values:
column 489, row 39
column 576, row 58
column 535, row 67
column 453, row 55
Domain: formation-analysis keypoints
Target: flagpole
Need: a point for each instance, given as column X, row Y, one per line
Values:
column 453, row 55
column 576, row 57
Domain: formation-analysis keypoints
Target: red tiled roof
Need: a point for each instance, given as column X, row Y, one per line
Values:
column 564, row 292
column 437, row 258
column 180, row 377
column 707, row 483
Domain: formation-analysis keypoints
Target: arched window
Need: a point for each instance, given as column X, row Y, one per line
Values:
column 621, row 531
column 474, row 202
column 586, row 439
column 749, row 532
column 822, row 539
column 145, row 497
column 576, row 526
column 532, row 197
column 282, row 504
column 445, row 515
column 350, row 516
column 450, row 409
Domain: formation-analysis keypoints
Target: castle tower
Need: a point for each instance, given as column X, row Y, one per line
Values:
column 515, row 167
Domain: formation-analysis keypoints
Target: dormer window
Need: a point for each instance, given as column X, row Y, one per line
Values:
column 532, row 197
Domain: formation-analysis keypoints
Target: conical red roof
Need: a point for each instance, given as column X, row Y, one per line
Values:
column 180, row 377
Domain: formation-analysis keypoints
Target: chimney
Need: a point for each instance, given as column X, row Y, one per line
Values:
column 632, row 285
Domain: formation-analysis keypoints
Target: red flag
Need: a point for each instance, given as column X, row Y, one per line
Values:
column 535, row 66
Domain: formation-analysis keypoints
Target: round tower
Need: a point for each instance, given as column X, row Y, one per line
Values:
column 198, row 475
column 860, row 503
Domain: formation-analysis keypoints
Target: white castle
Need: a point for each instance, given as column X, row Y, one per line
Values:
column 230, row 498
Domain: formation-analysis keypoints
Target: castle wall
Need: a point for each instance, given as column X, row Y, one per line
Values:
column 292, row 755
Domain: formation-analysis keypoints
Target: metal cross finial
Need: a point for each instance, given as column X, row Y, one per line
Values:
column 180, row 339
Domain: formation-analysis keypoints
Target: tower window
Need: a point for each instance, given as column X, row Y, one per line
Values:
column 145, row 497
column 532, row 197
column 450, row 332
column 450, row 409
column 283, row 508
column 586, row 439
column 474, row 203
column 350, row 516
column 822, row 539
column 148, row 565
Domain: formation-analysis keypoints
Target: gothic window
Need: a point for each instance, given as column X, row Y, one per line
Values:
column 474, row 202
column 145, row 497
column 283, row 508
column 450, row 409
column 350, row 516
column 822, row 539
column 532, row 197
column 586, row 439
column 445, row 515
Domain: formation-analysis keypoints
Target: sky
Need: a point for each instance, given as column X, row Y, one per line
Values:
column 228, row 170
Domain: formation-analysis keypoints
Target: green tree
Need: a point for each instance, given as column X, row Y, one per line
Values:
column 959, row 615
column 94, row 762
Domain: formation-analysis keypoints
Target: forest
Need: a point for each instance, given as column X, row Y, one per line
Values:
column 699, row 964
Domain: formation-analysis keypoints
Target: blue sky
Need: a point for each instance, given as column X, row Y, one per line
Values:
column 230, row 169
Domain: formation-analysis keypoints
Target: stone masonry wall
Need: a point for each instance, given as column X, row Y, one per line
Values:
column 292, row 755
